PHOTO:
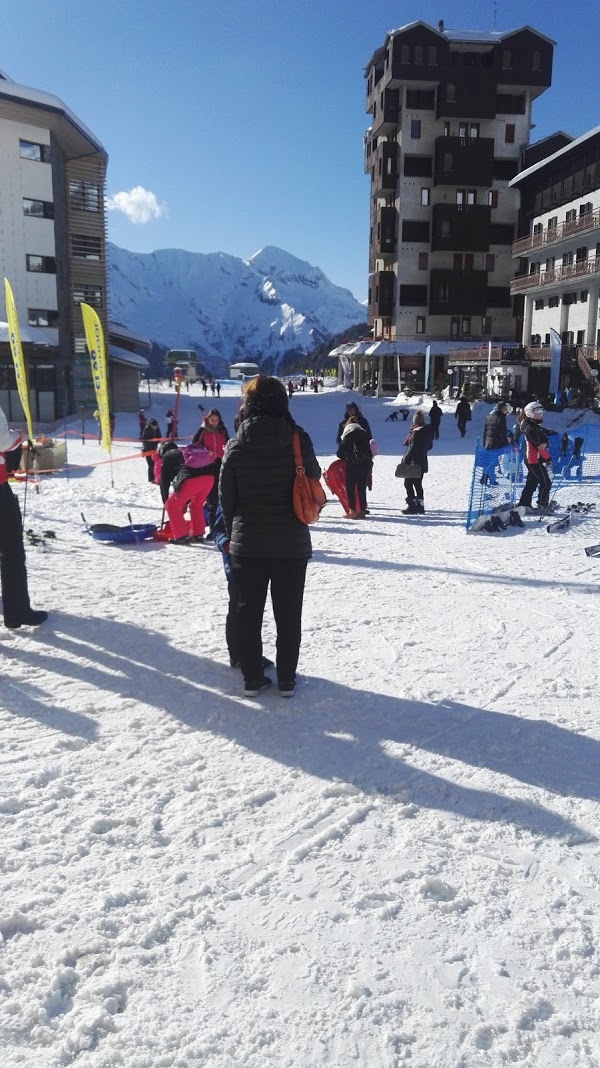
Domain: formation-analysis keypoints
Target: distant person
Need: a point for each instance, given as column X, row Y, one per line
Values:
column 204, row 386
column 171, row 431
column 463, row 415
column 141, row 421
column 150, row 441
column 218, row 388
column 435, row 418
column 355, row 450
column 418, row 442
column 16, row 607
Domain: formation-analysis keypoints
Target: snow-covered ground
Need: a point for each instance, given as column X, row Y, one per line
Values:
column 399, row 866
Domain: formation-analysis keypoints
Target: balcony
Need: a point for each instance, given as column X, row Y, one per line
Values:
column 384, row 161
column 460, row 228
column 386, row 113
column 466, row 161
column 554, row 234
column 384, row 244
column 556, row 276
column 381, row 305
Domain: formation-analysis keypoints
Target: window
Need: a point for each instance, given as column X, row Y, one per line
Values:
column 423, row 99
column 581, row 337
column 87, row 294
column 509, row 133
column 446, row 129
column 538, row 305
column 486, row 326
column 446, row 228
column 38, row 209
column 40, row 317
column 31, row 150
column 489, row 261
column 465, row 325
column 581, row 254
column 546, row 339
column 448, row 161
column 471, row 197
column 507, row 59
column 454, row 326
column 460, row 196
column 585, row 209
column 553, row 222
column 451, row 93
column 569, row 298
column 492, row 198
column 457, row 261
column 550, row 263
column 432, row 56
column 536, row 60
column 443, row 293
column 415, row 129
column 537, row 228
column 86, row 248
column 583, row 296
column 404, row 53
column 421, row 324
column 41, row 264
column 84, row 196
column 423, row 261
column 418, row 55
column 570, row 216
column 567, row 259
column 425, row 195
column 462, row 129
column 469, row 261
column 553, row 302
column 474, row 130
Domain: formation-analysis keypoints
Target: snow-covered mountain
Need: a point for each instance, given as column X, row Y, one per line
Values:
column 227, row 308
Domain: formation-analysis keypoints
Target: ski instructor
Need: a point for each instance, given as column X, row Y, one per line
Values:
column 13, row 573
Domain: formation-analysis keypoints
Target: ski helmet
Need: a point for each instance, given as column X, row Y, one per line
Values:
column 533, row 409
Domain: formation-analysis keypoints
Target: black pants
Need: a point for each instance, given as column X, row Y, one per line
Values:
column 252, row 576
column 436, row 430
column 537, row 475
column 356, row 484
column 13, row 573
column 462, row 426
column 150, row 462
column 414, row 489
column 212, row 500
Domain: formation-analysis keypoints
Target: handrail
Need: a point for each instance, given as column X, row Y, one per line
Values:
column 556, row 274
column 552, row 234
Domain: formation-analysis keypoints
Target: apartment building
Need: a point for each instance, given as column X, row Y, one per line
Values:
column 557, row 252
column 451, row 115
column 52, row 246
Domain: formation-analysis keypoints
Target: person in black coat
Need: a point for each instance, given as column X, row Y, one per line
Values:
column 16, row 606
column 435, row 418
column 462, row 415
column 419, row 442
column 267, row 543
column 495, row 432
column 353, row 409
column 150, row 441
column 356, row 452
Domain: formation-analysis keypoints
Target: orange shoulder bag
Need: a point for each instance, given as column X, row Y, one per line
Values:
column 309, row 496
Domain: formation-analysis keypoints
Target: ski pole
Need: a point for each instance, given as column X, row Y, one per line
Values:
column 85, row 523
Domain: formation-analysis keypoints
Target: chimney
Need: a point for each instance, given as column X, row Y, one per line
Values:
column 441, row 26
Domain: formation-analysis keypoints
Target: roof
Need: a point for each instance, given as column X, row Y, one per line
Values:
column 555, row 155
column 246, row 363
column 131, row 359
column 116, row 331
column 24, row 94
column 408, row 348
column 459, row 36
column 39, row 335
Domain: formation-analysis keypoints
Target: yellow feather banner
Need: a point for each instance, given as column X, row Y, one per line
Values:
column 17, row 354
column 94, row 336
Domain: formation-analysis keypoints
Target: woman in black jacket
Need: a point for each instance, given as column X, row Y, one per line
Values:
column 419, row 442
column 352, row 409
column 356, row 452
column 267, row 543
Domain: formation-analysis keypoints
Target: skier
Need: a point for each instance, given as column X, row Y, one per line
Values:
column 16, row 607
column 537, row 457
column 435, row 417
column 463, row 415
column 419, row 442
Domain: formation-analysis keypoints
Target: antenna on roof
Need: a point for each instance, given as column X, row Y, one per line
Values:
column 495, row 8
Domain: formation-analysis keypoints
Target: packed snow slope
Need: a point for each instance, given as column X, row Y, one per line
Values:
column 227, row 308
column 400, row 866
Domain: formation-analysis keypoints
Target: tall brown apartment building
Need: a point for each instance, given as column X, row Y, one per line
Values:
column 451, row 115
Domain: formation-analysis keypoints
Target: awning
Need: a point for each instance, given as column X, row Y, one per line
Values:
column 130, row 359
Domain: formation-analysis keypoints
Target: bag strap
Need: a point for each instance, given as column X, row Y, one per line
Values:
column 298, row 461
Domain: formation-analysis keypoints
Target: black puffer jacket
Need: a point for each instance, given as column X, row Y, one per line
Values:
column 419, row 442
column 364, row 423
column 495, row 434
column 255, row 489
column 354, row 446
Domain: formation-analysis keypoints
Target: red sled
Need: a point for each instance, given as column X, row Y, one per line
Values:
column 335, row 480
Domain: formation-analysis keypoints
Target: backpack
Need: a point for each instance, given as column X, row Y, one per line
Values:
column 195, row 455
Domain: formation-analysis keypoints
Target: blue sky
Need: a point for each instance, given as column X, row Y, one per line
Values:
column 245, row 119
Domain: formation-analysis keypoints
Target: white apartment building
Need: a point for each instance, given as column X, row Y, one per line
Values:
column 558, row 259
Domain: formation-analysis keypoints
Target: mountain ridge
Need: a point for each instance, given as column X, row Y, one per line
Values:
column 225, row 307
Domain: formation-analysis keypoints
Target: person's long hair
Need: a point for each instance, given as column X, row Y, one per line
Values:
column 418, row 418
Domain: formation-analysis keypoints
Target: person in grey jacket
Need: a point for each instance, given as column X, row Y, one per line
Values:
column 267, row 543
